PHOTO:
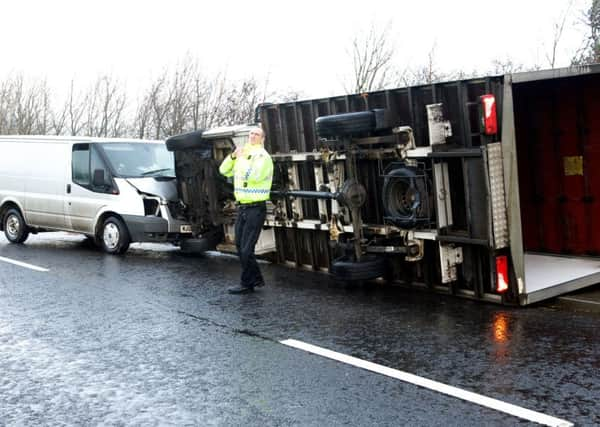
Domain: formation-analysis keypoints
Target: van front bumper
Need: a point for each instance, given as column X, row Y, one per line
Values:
column 153, row 229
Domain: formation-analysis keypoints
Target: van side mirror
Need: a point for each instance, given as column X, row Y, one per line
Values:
column 98, row 179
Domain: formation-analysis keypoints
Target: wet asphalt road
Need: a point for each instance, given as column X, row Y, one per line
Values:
column 151, row 338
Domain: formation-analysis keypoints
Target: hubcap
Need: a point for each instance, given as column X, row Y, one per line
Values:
column 13, row 225
column 111, row 235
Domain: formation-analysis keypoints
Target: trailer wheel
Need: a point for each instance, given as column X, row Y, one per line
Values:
column 196, row 246
column 114, row 236
column 369, row 267
column 404, row 197
column 15, row 229
column 207, row 242
column 345, row 124
column 187, row 141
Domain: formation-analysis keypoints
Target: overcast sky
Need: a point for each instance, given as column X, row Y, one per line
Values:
column 301, row 45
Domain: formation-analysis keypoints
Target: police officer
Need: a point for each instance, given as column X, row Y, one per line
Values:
column 252, row 171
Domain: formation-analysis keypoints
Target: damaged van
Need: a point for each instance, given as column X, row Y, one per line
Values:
column 116, row 191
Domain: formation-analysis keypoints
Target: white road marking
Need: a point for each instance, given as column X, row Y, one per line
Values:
column 478, row 399
column 580, row 300
column 23, row 264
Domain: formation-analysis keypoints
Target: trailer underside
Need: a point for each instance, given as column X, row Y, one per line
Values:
column 504, row 216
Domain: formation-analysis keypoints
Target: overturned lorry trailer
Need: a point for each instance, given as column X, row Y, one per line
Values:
column 506, row 214
column 485, row 188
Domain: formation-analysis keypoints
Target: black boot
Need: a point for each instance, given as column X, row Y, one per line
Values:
column 241, row 290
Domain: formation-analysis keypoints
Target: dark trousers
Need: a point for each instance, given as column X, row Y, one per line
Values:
column 248, row 226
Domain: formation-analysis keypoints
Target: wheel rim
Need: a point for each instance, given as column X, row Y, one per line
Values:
column 111, row 235
column 13, row 226
column 406, row 198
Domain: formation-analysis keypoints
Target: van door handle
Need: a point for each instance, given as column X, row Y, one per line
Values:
column 68, row 188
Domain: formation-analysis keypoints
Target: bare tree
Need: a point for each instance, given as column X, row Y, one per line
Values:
column 74, row 110
column 104, row 108
column 24, row 106
column 201, row 91
column 143, row 116
column 372, row 57
column 220, row 102
column 241, row 101
column 166, row 107
column 177, row 101
column 59, row 120
column 180, row 97
column 5, row 106
column 42, row 123
column 158, row 104
column 558, row 27
column 427, row 73
column 111, row 94
column 214, row 100
column 589, row 53
column 506, row 66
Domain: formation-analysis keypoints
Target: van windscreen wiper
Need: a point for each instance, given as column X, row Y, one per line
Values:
column 154, row 171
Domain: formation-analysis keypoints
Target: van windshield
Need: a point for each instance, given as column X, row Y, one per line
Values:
column 137, row 160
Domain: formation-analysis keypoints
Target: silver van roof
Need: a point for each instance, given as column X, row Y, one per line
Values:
column 73, row 139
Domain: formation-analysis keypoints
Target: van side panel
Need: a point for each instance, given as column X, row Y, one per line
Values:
column 12, row 185
column 45, row 183
column 84, row 207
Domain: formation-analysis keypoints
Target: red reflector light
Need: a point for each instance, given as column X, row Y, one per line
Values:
column 501, row 274
column 488, row 110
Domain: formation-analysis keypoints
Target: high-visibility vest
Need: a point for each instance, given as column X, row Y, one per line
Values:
column 252, row 174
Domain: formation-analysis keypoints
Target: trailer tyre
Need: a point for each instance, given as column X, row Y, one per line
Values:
column 15, row 229
column 196, row 246
column 187, row 141
column 404, row 197
column 369, row 267
column 114, row 236
column 207, row 242
column 345, row 124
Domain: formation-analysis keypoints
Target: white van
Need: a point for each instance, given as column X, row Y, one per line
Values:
column 116, row 191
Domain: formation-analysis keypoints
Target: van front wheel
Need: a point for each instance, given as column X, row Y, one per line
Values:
column 114, row 236
column 15, row 229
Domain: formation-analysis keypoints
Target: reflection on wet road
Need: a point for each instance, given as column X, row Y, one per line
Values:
column 152, row 338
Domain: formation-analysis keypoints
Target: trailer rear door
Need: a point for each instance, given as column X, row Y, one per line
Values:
column 555, row 147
